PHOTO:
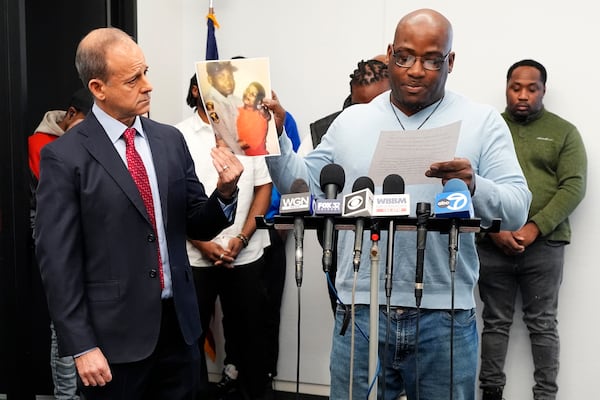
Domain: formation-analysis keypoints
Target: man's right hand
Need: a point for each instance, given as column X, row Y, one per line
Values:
column 277, row 110
column 93, row 368
column 508, row 242
column 214, row 252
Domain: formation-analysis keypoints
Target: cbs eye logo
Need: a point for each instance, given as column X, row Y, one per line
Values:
column 454, row 202
column 355, row 203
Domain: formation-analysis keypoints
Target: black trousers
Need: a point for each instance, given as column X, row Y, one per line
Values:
column 242, row 294
column 170, row 373
column 274, row 278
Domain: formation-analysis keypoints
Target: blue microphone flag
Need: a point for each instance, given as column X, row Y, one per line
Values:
column 455, row 201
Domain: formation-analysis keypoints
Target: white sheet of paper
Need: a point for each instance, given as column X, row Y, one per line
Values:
column 410, row 153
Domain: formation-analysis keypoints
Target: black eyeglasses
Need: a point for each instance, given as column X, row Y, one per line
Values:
column 406, row 60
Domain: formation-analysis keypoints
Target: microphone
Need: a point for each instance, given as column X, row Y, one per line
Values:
column 455, row 203
column 298, row 203
column 332, row 182
column 359, row 203
column 423, row 214
column 395, row 202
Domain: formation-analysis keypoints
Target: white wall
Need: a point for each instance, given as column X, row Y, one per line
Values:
column 314, row 46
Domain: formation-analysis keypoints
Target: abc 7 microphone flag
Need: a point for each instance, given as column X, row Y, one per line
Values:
column 455, row 201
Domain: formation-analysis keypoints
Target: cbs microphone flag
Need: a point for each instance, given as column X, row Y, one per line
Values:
column 358, row 204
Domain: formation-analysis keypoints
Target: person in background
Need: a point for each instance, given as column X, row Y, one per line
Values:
column 420, row 59
column 276, row 262
column 117, row 198
column 231, row 266
column 369, row 79
column 530, row 259
column 252, row 121
column 54, row 124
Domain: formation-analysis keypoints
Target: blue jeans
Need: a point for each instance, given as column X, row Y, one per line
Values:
column 64, row 373
column 537, row 273
column 401, row 373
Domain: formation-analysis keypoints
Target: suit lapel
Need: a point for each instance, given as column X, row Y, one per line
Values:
column 97, row 142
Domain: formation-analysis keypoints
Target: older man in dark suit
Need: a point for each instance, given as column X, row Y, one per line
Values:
column 117, row 199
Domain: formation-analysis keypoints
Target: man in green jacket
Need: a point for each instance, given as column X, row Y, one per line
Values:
column 553, row 158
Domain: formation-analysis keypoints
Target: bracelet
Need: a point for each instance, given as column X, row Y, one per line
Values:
column 243, row 238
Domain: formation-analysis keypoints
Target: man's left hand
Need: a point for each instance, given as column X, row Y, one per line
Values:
column 459, row 168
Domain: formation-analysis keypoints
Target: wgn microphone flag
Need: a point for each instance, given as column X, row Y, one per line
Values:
column 332, row 182
column 298, row 202
column 455, row 201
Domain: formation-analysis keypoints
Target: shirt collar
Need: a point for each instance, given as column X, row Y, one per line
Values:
column 114, row 128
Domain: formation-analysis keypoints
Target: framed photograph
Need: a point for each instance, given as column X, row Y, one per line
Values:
column 232, row 92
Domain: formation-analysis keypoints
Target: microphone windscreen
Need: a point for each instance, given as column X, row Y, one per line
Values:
column 332, row 174
column 455, row 201
column 455, row 185
column 299, row 186
column 393, row 184
column 364, row 182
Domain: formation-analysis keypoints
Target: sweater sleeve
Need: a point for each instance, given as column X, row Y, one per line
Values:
column 571, row 174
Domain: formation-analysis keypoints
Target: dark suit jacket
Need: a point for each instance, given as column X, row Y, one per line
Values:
column 96, row 247
column 320, row 126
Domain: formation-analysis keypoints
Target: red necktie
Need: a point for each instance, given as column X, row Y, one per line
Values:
column 140, row 177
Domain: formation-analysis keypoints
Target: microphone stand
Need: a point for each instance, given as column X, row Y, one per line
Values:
column 374, row 313
column 452, row 260
column 299, row 258
column 389, row 272
column 453, row 227
column 299, row 254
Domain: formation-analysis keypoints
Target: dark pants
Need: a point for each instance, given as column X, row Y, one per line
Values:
column 274, row 281
column 170, row 373
column 537, row 274
column 243, row 301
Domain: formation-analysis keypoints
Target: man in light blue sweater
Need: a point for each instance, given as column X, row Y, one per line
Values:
column 420, row 59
